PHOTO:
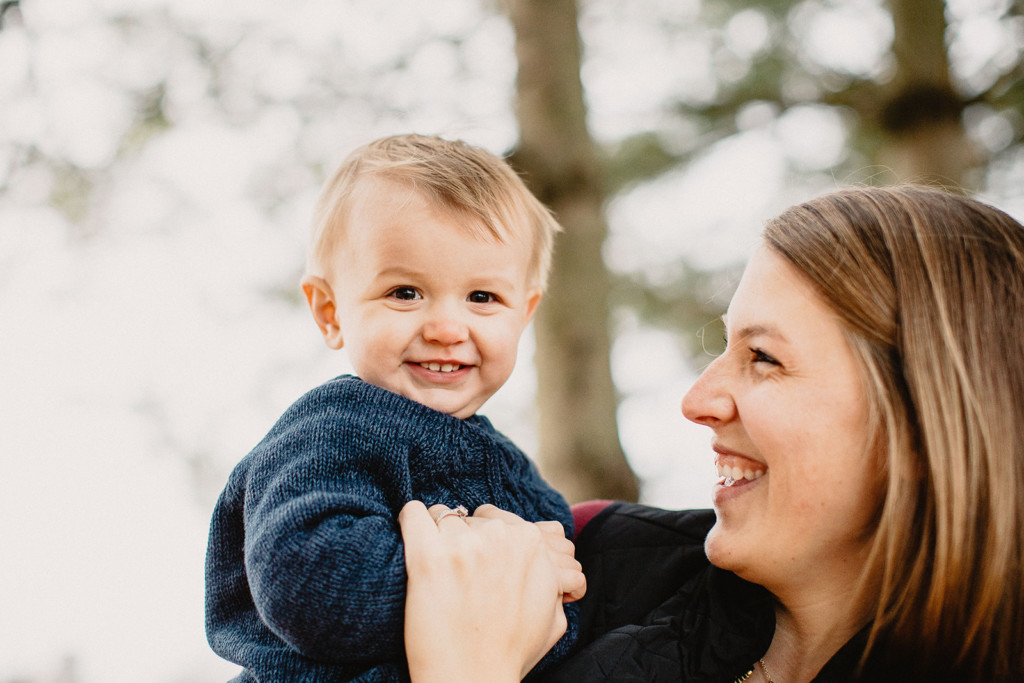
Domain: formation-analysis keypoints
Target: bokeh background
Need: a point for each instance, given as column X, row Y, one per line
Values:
column 158, row 165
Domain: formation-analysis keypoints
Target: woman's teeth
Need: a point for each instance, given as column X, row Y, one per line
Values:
column 735, row 474
column 440, row 367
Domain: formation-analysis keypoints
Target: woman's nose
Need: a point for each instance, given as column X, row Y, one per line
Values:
column 709, row 402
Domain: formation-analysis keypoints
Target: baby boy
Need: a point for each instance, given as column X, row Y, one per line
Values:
column 428, row 259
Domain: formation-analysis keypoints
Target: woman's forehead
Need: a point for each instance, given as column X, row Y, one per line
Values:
column 774, row 299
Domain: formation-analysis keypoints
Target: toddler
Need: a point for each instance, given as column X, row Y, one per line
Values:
column 427, row 262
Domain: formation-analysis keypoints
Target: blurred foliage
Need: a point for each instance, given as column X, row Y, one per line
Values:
column 782, row 74
column 10, row 12
column 70, row 191
column 234, row 68
column 693, row 301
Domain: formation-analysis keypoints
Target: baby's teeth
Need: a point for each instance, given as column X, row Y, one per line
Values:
column 437, row 367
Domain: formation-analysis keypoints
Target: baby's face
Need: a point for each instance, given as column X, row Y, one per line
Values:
column 426, row 309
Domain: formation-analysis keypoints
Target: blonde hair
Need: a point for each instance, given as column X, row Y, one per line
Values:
column 930, row 287
column 457, row 177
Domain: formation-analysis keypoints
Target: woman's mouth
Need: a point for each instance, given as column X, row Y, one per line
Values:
column 734, row 475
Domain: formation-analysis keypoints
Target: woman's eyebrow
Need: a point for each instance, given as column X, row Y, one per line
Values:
column 762, row 330
column 757, row 329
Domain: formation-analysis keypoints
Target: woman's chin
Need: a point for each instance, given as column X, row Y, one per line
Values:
column 717, row 548
column 727, row 549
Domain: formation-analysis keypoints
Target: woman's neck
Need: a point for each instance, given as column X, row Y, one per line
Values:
column 808, row 632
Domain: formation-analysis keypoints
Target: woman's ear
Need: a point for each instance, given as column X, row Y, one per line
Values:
column 320, row 297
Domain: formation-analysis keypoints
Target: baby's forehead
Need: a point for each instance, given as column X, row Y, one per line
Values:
column 371, row 194
column 489, row 221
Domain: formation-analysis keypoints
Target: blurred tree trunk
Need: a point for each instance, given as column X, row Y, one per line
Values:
column 922, row 118
column 580, row 452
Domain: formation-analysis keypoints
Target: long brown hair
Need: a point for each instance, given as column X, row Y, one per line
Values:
column 930, row 287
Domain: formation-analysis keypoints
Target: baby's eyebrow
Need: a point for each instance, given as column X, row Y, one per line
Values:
column 492, row 283
column 398, row 272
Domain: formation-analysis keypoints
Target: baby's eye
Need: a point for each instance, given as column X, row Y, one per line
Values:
column 480, row 297
column 405, row 293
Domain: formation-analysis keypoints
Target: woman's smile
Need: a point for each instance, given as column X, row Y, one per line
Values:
column 735, row 469
column 733, row 475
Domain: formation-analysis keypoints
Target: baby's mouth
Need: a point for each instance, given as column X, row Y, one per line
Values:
column 441, row 367
column 735, row 475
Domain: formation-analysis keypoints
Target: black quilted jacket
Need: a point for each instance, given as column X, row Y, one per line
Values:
column 656, row 610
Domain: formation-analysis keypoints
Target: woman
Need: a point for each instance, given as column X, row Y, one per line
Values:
column 868, row 420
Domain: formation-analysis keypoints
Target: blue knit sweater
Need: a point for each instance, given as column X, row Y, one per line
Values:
column 305, row 570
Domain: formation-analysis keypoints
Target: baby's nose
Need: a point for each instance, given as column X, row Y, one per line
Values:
column 446, row 329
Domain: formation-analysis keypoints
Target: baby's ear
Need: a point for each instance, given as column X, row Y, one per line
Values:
column 533, row 298
column 320, row 297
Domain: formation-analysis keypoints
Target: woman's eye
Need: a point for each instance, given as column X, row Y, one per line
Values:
column 480, row 297
column 405, row 293
column 759, row 356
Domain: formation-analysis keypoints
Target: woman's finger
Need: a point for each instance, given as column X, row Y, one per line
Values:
column 562, row 551
column 491, row 512
column 569, row 573
column 483, row 600
column 442, row 514
column 417, row 522
column 572, row 583
column 552, row 527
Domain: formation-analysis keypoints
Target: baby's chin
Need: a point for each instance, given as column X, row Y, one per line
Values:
column 449, row 401
column 457, row 409
column 458, row 393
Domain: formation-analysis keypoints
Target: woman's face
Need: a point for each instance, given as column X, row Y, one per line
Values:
column 799, row 485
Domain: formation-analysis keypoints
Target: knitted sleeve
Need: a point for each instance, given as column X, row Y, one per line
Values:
column 323, row 552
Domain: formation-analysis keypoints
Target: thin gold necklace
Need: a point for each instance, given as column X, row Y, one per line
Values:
column 744, row 677
column 764, row 670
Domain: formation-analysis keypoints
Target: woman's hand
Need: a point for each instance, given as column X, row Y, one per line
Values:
column 484, row 598
column 561, row 550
